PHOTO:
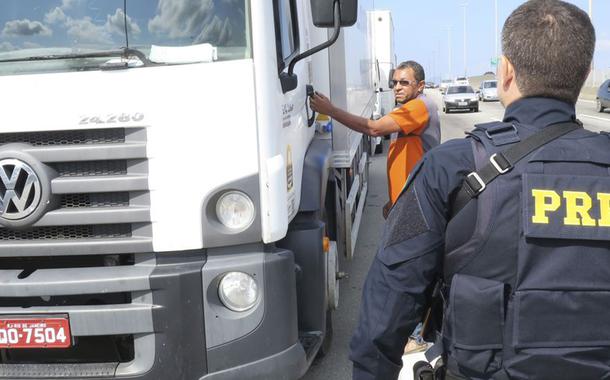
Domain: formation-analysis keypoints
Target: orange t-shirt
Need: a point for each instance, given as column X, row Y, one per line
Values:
column 407, row 149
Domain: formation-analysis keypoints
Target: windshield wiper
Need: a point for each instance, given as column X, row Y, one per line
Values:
column 123, row 52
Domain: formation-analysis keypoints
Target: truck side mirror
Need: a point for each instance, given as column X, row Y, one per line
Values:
column 322, row 12
column 326, row 13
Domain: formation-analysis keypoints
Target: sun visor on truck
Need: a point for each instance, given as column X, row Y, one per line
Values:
column 183, row 54
column 322, row 12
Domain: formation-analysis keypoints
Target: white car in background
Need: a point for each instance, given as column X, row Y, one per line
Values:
column 488, row 91
column 462, row 81
column 444, row 84
column 460, row 97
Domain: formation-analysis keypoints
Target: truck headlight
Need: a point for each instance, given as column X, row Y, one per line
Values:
column 235, row 210
column 238, row 291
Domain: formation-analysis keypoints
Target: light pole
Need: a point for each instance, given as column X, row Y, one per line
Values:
column 464, row 5
column 496, row 34
column 439, row 71
column 449, row 48
column 432, row 66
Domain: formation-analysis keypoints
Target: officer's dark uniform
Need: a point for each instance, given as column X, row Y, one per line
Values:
column 526, row 264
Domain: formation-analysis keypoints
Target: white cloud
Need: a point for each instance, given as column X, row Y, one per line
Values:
column 55, row 16
column 6, row 46
column 181, row 18
column 217, row 31
column 84, row 30
column 67, row 4
column 116, row 23
column 25, row 27
column 31, row 45
column 186, row 18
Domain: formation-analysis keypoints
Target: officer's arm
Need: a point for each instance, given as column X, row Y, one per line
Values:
column 407, row 263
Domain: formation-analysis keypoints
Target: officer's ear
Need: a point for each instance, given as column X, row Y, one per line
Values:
column 506, row 74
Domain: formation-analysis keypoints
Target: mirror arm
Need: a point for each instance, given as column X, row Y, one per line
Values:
column 335, row 36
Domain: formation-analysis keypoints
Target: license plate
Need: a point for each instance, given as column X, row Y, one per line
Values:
column 35, row 331
column 462, row 104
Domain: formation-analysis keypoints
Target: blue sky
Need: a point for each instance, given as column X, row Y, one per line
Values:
column 421, row 34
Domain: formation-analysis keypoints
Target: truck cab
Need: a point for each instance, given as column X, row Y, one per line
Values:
column 171, row 208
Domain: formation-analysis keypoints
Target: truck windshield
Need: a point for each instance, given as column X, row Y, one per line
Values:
column 77, row 35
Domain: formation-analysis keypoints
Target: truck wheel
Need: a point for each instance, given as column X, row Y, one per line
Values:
column 332, row 288
column 332, row 284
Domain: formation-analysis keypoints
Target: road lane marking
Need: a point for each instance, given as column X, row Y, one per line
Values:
column 595, row 117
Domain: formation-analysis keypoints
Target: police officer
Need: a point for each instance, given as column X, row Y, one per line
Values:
column 523, row 258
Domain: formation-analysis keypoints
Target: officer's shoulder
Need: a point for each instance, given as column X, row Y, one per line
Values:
column 451, row 150
column 581, row 144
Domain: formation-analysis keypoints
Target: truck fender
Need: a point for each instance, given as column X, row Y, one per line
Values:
column 315, row 175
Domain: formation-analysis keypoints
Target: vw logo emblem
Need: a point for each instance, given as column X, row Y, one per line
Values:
column 20, row 189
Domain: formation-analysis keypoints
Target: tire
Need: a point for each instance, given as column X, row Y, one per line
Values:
column 476, row 109
column 445, row 110
column 599, row 107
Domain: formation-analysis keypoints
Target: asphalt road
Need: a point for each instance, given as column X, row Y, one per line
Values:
column 336, row 365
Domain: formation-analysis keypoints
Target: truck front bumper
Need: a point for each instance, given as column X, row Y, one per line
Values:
column 179, row 328
column 288, row 364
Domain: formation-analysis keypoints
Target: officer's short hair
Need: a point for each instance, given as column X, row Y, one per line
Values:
column 418, row 70
column 550, row 43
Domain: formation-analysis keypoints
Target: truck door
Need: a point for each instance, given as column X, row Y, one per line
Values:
column 291, row 39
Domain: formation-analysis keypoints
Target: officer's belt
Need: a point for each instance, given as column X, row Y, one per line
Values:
column 502, row 162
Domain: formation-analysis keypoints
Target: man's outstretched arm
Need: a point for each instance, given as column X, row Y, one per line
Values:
column 384, row 126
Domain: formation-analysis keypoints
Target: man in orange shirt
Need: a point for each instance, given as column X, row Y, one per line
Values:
column 415, row 120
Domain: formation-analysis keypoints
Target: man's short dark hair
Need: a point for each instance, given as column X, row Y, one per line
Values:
column 418, row 70
column 550, row 43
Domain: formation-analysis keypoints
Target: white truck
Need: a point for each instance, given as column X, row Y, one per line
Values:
column 169, row 206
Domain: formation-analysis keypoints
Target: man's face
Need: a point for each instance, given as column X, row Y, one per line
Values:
column 405, row 85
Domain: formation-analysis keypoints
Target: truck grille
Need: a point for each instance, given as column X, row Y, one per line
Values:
column 90, row 168
column 87, row 136
column 120, row 199
column 101, row 189
column 89, row 257
column 101, row 231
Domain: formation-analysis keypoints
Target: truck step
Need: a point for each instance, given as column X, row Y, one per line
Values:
column 311, row 341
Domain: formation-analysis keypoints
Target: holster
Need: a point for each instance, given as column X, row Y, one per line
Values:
column 433, row 318
column 423, row 370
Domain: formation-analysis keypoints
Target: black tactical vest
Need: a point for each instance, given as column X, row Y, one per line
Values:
column 529, row 292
